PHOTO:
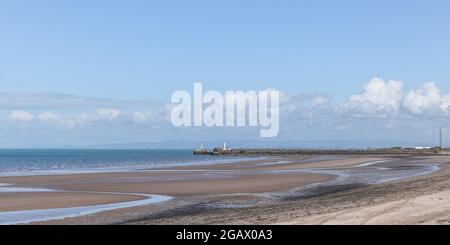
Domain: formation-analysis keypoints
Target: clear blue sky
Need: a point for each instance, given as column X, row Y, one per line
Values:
column 147, row 49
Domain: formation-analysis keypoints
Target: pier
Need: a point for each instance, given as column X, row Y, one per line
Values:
column 396, row 151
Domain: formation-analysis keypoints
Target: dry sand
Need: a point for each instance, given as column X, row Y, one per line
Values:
column 424, row 200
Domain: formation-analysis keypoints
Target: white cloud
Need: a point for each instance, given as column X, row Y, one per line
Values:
column 21, row 116
column 84, row 119
column 445, row 103
column 320, row 100
column 426, row 100
column 48, row 117
column 78, row 120
column 140, row 117
column 381, row 107
column 108, row 114
column 378, row 97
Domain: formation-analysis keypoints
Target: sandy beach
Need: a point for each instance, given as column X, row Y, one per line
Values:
column 282, row 190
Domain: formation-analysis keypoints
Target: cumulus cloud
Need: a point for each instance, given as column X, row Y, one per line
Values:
column 21, row 116
column 378, row 97
column 381, row 106
column 387, row 99
column 426, row 100
column 72, row 112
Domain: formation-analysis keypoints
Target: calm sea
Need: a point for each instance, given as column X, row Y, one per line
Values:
column 37, row 161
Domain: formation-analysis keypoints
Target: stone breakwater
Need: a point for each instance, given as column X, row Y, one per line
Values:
column 314, row 152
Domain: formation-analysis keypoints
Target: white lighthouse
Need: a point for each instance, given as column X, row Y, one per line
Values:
column 225, row 148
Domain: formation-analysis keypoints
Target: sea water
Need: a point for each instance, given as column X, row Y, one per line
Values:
column 18, row 162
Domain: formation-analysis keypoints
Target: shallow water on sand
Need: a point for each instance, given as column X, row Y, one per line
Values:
column 363, row 175
column 28, row 216
column 346, row 178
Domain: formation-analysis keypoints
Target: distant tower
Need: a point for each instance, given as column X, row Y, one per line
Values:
column 440, row 138
column 225, row 147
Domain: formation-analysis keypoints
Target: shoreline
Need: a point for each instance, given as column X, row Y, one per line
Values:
column 100, row 170
column 231, row 186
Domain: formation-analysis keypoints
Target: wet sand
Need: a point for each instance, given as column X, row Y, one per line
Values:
column 45, row 200
column 417, row 200
column 205, row 194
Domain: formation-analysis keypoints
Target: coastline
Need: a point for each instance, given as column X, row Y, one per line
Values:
column 197, row 192
column 412, row 201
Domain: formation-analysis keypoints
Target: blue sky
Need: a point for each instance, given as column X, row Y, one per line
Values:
column 145, row 50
